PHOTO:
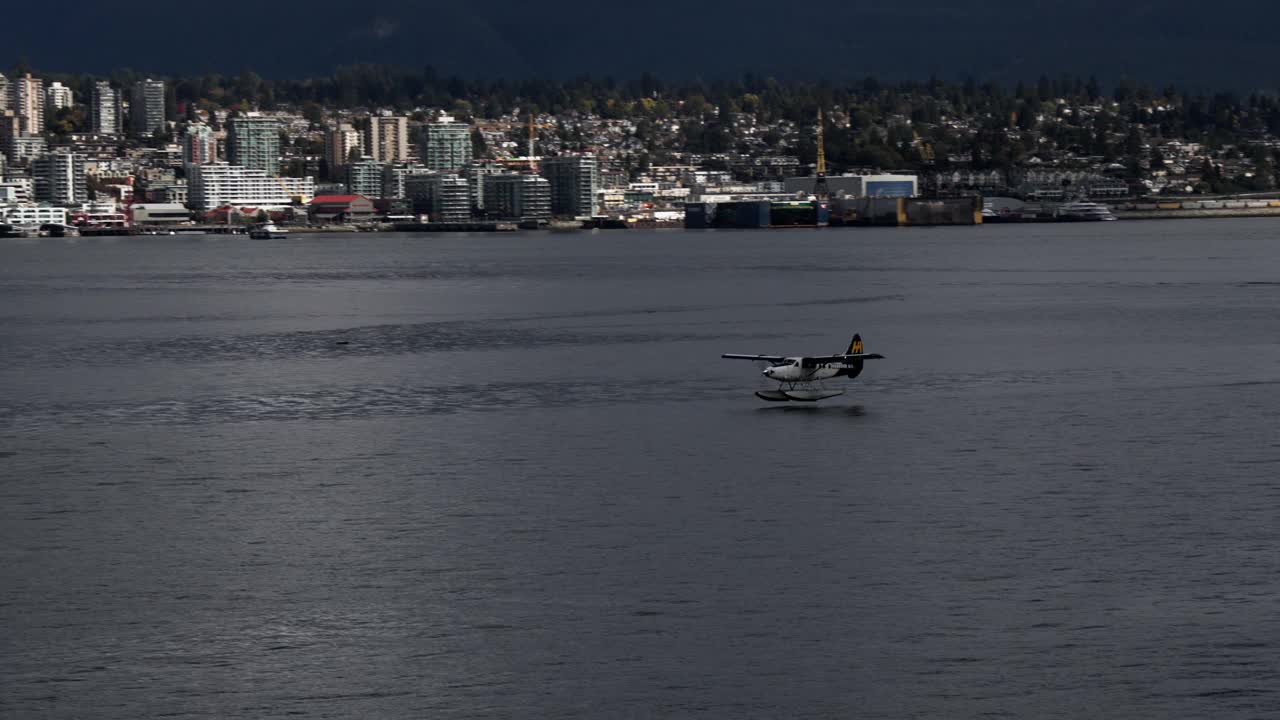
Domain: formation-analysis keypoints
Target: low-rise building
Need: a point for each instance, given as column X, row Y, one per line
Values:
column 33, row 215
column 159, row 214
column 16, row 190
column 217, row 184
column 340, row 209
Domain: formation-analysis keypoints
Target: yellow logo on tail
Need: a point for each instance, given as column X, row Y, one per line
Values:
column 856, row 347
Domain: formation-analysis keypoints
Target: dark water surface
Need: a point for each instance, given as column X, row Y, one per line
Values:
column 508, row 476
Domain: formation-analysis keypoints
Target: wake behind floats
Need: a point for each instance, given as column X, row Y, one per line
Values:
column 796, row 376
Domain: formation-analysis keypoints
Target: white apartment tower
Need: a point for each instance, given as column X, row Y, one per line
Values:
column 339, row 142
column 26, row 99
column 106, row 111
column 58, row 97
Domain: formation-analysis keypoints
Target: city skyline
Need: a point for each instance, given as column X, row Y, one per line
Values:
column 442, row 147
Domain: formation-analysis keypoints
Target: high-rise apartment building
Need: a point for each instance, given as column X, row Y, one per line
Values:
column 26, row 99
column 387, row 139
column 10, row 126
column 575, row 180
column 446, row 147
column 476, row 171
column 394, row 176
column 339, row 142
column 22, row 149
column 58, row 178
column 106, row 111
column 254, row 142
column 199, row 145
column 146, row 107
column 444, row 198
column 513, row 196
column 57, row 97
column 364, row 177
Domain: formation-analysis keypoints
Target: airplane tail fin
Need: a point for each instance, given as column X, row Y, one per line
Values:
column 855, row 348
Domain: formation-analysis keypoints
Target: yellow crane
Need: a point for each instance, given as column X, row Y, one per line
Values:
column 926, row 148
column 533, row 138
column 820, row 183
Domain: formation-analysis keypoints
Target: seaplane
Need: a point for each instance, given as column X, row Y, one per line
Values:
column 800, row 378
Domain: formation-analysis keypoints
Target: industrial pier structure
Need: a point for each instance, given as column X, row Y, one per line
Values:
column 840, row 200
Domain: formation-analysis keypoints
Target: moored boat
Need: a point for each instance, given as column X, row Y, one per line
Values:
column 267, row 231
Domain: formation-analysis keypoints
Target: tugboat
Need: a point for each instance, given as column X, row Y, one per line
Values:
column 267, row 231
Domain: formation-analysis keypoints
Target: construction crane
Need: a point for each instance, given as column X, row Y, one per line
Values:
column 820, row 183
column 533, row 126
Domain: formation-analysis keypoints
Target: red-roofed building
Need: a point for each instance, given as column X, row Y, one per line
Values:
column 340, row 208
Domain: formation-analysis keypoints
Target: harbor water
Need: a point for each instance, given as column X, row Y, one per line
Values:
column 507, row 475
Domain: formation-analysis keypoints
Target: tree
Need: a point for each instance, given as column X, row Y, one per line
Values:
column 65, row 121
column 314, row 113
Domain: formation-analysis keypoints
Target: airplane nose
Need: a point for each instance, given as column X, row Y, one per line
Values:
column 768, row 373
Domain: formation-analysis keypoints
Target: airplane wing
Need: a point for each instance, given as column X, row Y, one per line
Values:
column 765, row 358
column 846, row 358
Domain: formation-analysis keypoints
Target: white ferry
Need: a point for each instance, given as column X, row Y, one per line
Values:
column 1083, row 211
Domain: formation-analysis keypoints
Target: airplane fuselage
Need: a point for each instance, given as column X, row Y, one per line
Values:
column 796, row 370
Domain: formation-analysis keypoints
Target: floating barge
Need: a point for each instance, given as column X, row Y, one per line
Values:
column 454, row 227
column 755, row 214
column 907, row 212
